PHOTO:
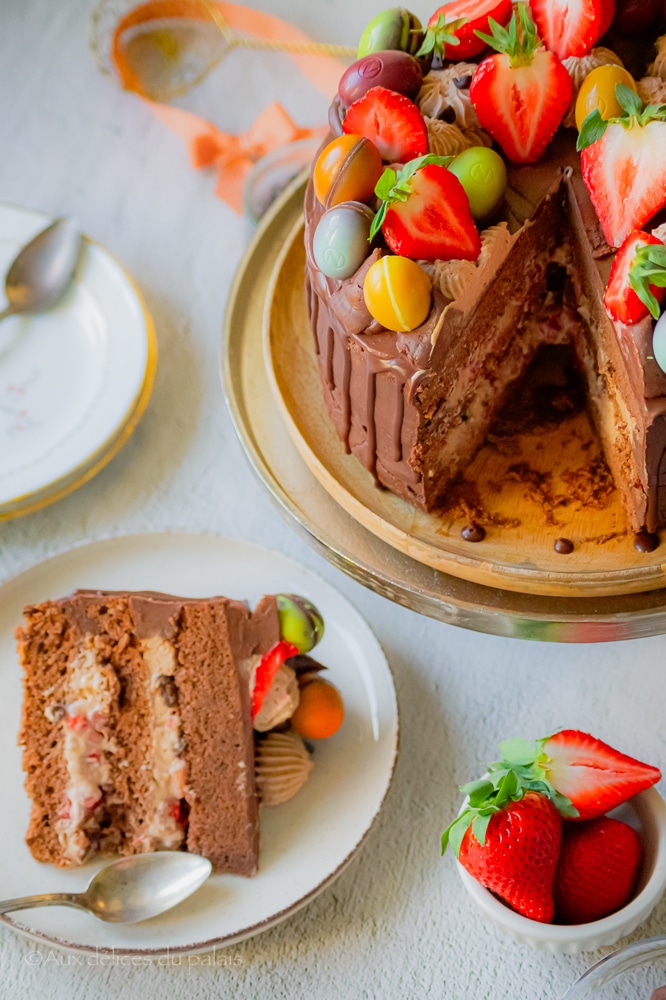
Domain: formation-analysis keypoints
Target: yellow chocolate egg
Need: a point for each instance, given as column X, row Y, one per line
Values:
column 397, row 293
column 597, row 92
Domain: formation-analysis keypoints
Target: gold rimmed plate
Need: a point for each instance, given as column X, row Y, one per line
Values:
column 74, row 381
column 338, row 535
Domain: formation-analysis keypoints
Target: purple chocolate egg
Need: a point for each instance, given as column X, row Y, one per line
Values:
column 391, row 69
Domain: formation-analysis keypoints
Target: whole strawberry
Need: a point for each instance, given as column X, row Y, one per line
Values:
column 522, row 93
column 597, row 870
column 623, row 161
column 508, row 839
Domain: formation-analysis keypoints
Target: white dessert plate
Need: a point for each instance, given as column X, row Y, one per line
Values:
column 74, row 379
column 305, row 843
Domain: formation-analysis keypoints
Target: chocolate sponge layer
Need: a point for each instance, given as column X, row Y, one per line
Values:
column 213, row 641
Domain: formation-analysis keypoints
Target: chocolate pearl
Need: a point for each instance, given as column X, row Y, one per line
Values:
column 462, row 82
column 645, row 541
column 448, row 115
column 168, row 690
column 564, row 546
column 473, row 533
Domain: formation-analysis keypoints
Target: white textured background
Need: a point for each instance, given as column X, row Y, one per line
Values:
column 396, row 923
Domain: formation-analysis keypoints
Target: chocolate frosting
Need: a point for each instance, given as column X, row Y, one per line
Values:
column 382, row 388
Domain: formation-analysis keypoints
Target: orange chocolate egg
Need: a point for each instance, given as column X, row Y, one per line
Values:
column 347, row 170
column 320, row 710
column 597, row 93
column 397, row 293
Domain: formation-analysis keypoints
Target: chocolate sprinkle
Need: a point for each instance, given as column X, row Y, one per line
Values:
column 564, row 546
column 645, row 541
column 473, row 533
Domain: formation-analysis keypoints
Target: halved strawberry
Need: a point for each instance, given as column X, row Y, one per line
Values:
column 473, row 15
column 623, row 161
column 391, row 121
column 592, row 775
column 637, row 279
column 425, row 213
column 521, row 94
column 571, row 29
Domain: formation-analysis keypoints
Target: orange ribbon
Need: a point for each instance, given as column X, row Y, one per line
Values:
column 231, row 155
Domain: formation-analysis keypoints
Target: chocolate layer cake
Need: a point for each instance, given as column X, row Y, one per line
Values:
column 136, row 727
column 415, row 407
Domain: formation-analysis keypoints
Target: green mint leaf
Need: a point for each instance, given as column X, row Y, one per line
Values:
column 628, row 99
column 480, row 826
column 592, row 130
column 518, row 751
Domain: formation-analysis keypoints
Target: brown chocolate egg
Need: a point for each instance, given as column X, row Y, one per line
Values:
column 392, row 69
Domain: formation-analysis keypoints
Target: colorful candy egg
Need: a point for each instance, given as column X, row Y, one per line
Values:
column 482, row 173
column 597, row 92
column 396, row 28
column 659, row 342
column 340, row 243
column 397, row 293
column 347, row 170
column 301, row 623
column 392, row 69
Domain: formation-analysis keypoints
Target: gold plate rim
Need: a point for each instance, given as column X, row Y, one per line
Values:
column 489, row 610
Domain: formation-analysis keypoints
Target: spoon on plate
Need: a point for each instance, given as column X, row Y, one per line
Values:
column 130, row 889
column 43, row 269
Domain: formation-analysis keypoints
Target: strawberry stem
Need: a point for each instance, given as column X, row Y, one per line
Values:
column 521, row 45
column 636, row 113
column 507, row 780
column 648, row 268
column 439, row 35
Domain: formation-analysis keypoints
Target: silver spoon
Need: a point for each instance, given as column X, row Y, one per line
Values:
column 131, row 889
column 43, row 269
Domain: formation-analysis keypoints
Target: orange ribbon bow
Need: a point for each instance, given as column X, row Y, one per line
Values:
column 231, row 155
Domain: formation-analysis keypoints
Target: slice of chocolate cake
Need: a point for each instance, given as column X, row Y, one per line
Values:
column 137, row 728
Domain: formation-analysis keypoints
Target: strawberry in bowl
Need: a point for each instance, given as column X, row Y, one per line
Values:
column 538, row 852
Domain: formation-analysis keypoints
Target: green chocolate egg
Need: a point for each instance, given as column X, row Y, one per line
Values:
column 482, row 173
column 300, row 621
column 396, row 28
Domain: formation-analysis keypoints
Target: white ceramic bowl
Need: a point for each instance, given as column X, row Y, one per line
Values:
column 646, row 812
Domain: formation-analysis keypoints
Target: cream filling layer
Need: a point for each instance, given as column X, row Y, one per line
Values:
column 92, row 688
column 164, row 831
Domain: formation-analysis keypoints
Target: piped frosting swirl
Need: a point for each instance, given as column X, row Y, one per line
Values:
column 282, row 766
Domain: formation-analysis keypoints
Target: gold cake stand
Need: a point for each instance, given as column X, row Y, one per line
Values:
column 338, row 534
